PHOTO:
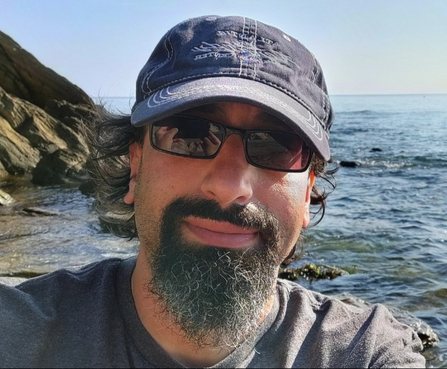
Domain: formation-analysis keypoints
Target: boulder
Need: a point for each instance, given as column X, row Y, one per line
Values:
column 3, row 171
column 42, row 119
column 5, row 198
column 17, row 156
column 22, row 75
column 348, row 164
column 73, row 116
column 60, row 167
column 27, row 133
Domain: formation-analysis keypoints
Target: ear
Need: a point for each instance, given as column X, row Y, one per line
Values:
column 135, row 153
column 310, row 184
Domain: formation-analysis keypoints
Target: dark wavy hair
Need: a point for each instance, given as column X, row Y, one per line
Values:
column 110, row 137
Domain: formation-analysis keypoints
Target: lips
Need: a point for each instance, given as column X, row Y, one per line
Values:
column 218, row 234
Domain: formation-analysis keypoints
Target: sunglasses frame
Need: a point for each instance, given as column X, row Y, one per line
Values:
column 243, row 133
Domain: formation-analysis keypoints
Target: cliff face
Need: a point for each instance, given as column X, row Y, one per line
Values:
column 41, row 118
column 22, row 75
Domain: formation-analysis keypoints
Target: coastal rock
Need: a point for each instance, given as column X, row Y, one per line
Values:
column 42, row 119
column 88, row 187
column 73, row 116
column 17, row 156
column 5, row 198
column 22, row 75
column 59, row 167
column 33, row 211
column 27, row 133
column 349, row 164
column 311, row 272
column 3, row 171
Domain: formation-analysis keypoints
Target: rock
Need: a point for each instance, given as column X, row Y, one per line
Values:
column 311, row 272
column 33, row 211
column 3, row 172
column 27, row 133
column 73, row 116
column 40, row 114
column 5, row 198
column 17, row 156
column 376, row 149
column 22, row 75
column 348, row 164
column 88, row 187
column 59, row 167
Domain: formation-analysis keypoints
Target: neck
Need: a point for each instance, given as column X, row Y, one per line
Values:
column 165, row 332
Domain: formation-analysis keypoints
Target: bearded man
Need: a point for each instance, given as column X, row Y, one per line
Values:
column 214, row 171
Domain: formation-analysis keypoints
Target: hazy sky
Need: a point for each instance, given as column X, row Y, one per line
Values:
column 364, row 46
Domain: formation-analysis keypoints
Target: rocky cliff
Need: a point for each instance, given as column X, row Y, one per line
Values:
column 42, row 116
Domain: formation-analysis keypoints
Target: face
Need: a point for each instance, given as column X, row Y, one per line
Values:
column 220, row 213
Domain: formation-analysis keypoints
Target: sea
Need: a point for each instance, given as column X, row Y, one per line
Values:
column 385, row 222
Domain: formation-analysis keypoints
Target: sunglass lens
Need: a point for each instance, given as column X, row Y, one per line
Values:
column 187, row 136
column 278, row 151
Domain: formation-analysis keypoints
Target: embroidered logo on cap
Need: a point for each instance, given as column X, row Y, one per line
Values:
column 243, row 47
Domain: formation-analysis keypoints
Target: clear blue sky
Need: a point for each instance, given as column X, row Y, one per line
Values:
column 364, row 46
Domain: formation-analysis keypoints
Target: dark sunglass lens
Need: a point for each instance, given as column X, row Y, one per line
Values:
column 277, row 150
column 187, row 136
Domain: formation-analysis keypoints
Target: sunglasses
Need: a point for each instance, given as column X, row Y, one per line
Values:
column 198, row 138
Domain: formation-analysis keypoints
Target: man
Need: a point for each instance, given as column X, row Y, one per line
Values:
column 214, row 172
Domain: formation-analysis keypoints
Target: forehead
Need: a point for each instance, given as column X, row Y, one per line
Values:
column 239, row 115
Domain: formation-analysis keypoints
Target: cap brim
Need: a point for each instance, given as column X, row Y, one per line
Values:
column 190, row 94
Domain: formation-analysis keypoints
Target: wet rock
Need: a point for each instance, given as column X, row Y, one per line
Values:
column 349, row 164
column 22, row 75
column 376, row 149
column 33, row 211
column 59, row 167
column 88, row 187
column 311, row 272
column 5, row 198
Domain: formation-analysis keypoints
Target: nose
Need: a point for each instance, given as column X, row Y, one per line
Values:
column 229, row 178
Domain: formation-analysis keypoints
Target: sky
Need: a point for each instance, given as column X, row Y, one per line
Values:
column 364, row 46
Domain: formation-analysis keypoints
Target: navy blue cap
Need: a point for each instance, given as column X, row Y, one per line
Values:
column 236, row 59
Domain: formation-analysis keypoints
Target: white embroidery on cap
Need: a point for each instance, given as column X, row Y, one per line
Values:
column 287, row 38
column 245, row 49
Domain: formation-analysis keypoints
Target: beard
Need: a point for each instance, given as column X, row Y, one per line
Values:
column 215, row 295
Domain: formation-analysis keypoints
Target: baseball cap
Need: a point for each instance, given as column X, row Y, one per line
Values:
column 213, row 59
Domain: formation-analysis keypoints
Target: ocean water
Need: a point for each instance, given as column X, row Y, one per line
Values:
column 386, row 221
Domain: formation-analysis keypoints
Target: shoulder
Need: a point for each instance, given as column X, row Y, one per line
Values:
column 71, row 311
column 339, row 332
column 45, row 296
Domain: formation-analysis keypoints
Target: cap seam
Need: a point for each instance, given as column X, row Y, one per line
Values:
column 145, row 83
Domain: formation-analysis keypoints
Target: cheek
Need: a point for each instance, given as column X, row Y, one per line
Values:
column 287, row 200
column 163, row 178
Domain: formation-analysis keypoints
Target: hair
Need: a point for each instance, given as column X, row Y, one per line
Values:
column 110, row 137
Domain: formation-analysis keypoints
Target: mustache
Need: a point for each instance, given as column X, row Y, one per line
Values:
column 253, row 215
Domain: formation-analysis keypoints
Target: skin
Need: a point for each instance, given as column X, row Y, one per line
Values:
column 158, row 178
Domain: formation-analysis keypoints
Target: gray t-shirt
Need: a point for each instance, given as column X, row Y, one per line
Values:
column 87, row 318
